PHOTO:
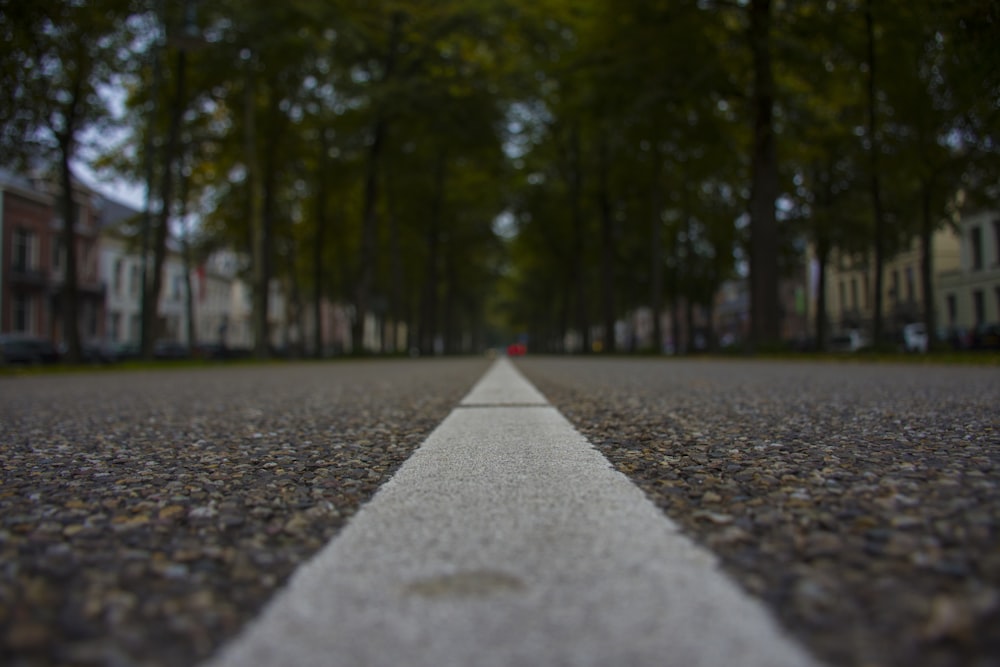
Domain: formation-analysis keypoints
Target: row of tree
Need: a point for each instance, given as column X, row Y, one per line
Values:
column 466, row 166
column 684, row 143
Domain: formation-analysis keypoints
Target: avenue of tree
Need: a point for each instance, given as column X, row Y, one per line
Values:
column 482, row 168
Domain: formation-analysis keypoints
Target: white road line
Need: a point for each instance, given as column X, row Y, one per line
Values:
column 504, row 385
column 507, row 540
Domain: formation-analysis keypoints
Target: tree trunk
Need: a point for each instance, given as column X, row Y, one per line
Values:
column 823, row 176
column 295, row 311
column 369, row 212
column 395, row 268
column 607, row 250
column 70, row 294
column 254, row 217
column 450, row 327
column 192, row 336
column 764, row 304
column 145, row 317
column 429, row 306
column 265, row 254
column 689, row 321
column 564, row 314
column 166, row 193
column 369, row 236
column 875, row 184
column 927, row 265
column 822, row 258
column 319, row 240
column 579, row 233
column 675, row 322
column 656, row 253
column 710, row 343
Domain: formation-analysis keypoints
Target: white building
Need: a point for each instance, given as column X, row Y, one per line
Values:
column 121, row 274
column 225, row 304
column 222, row 302
column 850, row 285
column 969, row 295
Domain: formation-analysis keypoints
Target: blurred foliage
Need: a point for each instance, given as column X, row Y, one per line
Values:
column 482, row 169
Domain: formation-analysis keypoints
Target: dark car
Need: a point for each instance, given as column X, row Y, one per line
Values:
column 986, row 337
column 958, row 338
column 27, row 350
column 108, row 352
column 167, row 349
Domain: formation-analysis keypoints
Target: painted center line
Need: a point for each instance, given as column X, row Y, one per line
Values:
column 507, row 540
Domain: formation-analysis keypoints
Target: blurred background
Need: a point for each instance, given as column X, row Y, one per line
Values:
column 312, row 178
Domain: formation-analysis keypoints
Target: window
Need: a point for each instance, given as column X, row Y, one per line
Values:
column 134, row 328
column 134, row 281
column 118, row 276
column 854, row 293
column 866, row 290
column 83, row 262
column 114, row 322
column 952, row 309
column 90, row 319
column 894, row 290
column 996, row 243
column 910, row 285
column 979, row 307
column 58, row 254
column 976, row 239
column 21, row 314
column 24, row 250
column 843, row 297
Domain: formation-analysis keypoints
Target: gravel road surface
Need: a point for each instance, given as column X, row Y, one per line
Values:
column 860, row 502
column 146, row 516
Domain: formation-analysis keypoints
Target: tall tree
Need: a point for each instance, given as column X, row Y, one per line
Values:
column 874, row 175
column 57, row 58
column 765, row 313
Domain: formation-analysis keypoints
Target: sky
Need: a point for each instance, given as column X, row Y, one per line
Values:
column 118, row 189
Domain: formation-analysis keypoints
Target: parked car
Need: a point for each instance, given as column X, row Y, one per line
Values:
column 914, row 338
column 23, row 349
column 851, row 340
column 210, row 351
column 986, row 337
column 959, row 338
column 109, row 352
column 168, row 349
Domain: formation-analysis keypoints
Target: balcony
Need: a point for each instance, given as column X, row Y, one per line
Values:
column 92, row 287
column 25, row 277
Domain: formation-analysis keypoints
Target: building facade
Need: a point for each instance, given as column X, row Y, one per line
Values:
column 969, row 293
column 850, row 285
column 109, row 276
column 121, row 274
column 33, row 260
column 221, row 302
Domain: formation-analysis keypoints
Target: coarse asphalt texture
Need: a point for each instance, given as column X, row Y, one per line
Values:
column 506, row 540
column 861, row 502
column 145, row 518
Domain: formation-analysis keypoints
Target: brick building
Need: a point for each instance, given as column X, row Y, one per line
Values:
column 33, row 259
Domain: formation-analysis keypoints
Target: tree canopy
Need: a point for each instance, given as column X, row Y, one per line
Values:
column 483, row 169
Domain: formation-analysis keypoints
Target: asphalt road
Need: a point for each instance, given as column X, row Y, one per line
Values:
column 860, row 502
column 145, row 518
column 506, row 540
